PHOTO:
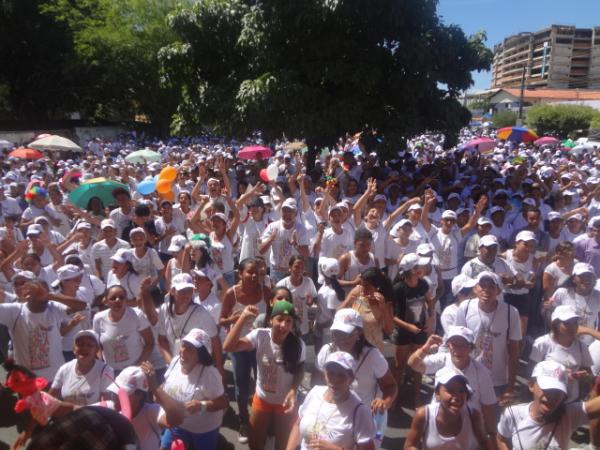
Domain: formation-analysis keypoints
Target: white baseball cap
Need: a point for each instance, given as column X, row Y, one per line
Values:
column 484, row 221
column 341, row 359
column 411, row 260
column 489, row 240
column 329, row 267
column 496, row 209
column 581, row 268
column 24, row 274
column 525, row 236
column 564, row 313
column 198, row 338
column 290, row 203
column 219, row 215
column 182, row 281
column 131, row 379
column 453, row 195
column 201, row 274
column 122, row 256
column 491, row 275
column 426, row 250
column 107, row 223
column 34, row 229
column 346, row 320
column 449, row 214
column 83, row 225
column 529, row 201
column 554, row 215
column 137, row 230
column 550, row 375
column 576, row 216
column 379, row 197
column 68, row 272
column 460, row 282
column 447, row 374
column 414, row 207
column 463, row 332
column 88, row 333
column 177, row 243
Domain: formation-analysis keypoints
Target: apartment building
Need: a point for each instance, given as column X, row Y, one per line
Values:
column 558, row 57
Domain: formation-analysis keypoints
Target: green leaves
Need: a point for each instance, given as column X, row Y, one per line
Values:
column 560, row 119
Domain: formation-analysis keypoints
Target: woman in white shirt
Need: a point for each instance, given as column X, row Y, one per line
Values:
column 557, row 272
column 86, row 379
column 225, row 236
column 193, row 380
column 333, row 416
column 562, row 346
column 280, row 356
column 303, row 291
column 123, row 274
column 547, row 421
column 449, row 422
column 374, row 382
column 124, row 332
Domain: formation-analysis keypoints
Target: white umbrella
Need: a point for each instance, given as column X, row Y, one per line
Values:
column 56, row 143
column 6, row 144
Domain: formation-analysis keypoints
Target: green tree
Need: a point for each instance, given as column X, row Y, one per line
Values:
column 504, row 118
column 595, row 122
column 559, row 119
column 36, row 54
column 319, row 68
column 116, row 43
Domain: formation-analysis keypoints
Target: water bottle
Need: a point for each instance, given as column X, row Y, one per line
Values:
column 379, row 419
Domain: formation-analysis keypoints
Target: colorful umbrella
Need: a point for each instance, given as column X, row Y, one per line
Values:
column 143, row 156
column 255, row 152
column 483, row 144
column 25, row 153
column 546, row 140
column 96, row 187
column 516, row 134
column 56, row 143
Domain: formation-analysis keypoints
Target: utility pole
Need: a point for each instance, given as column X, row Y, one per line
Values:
column 520, row 116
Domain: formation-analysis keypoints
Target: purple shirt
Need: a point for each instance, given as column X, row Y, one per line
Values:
column 588, row 251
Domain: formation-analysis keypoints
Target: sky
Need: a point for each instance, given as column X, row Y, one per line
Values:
column 503, row 18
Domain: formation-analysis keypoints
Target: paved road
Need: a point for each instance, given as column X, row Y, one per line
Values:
column 398, row 420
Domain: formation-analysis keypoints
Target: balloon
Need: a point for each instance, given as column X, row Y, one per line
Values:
column 263, row 175
column 170, row 196
column 163, row 186
column 272, row 172
column 146, row 187
column 168, row 173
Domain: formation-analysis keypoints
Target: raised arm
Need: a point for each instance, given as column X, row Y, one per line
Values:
column 399, row 211
column 358, row 207
column 233, row 341
column 428, row 203
column 479, row 207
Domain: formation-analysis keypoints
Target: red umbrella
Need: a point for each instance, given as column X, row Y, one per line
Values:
column 25, row 153
column 255, row 152
column 483, row 144
column 546, row 140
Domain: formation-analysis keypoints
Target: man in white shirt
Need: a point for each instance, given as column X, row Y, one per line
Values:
column 336, row 240
column 8, row 206
column 107, row 247
column 497, row 331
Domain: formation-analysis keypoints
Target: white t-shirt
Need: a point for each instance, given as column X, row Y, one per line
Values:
column 146, row 426
column 393, row 250
column 148, row 265
column 281, row 248
column 556, row 273
column 524, row 269
column 177, row 223
column 371, row 366
column 251, row 231
column 121, row 341
column 202, row 383
column 334, row 245
column 130, row 282
column 121, row 219
column 448, row 317
column 273, row 381
column 85, row 389
column 517, row 426
column 327, row 300
column 344, row 424
column 300, row 295
column 446, row 246
column 595, row 354
column 492, row 333
column 175, row 327
column 477, row 375
column 587, row 308
column 101, row 251
column 85, row 296
column 36, row 338
column 573, row 358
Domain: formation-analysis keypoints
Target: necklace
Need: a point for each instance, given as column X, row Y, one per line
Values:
column 320, row 426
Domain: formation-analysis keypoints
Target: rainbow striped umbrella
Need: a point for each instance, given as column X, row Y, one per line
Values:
column 516, row 134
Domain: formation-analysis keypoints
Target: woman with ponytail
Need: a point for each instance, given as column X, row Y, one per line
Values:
column 280, row 355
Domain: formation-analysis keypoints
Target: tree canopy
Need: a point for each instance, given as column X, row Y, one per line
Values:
column 316, row 69
column 560, row 119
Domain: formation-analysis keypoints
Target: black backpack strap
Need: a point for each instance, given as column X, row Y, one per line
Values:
column 354, row 420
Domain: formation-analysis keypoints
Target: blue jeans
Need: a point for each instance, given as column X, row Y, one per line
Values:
column 200, row 441
column 243, row 364
column 229, row 277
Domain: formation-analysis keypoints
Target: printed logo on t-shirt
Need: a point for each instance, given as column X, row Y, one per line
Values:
column 39, row 347
column 268, row 373
column 120, row 349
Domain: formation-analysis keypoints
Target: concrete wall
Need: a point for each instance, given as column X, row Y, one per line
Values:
column 79, row 135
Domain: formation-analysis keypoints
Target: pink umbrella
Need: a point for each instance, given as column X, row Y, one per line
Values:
column 483, row 144
column 255, row 152
column 546, row 140
column 42, row 136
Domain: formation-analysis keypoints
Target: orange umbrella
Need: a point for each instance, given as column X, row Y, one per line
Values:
column 25, row 153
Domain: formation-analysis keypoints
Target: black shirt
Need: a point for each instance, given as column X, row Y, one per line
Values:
column 409, row 302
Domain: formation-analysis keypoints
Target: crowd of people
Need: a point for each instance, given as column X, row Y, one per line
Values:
column 475, row 268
